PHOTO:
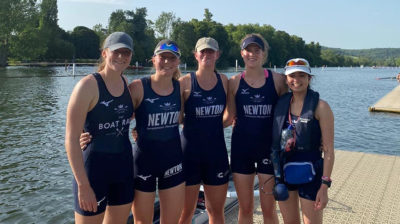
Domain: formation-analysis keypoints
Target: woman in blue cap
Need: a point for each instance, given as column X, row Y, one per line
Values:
column 205, row 154
column 311, row 123
column 101, row 104
column 158, row 153
column 251, row 100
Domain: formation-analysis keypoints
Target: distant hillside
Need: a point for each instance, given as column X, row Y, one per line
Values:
column 374, row 54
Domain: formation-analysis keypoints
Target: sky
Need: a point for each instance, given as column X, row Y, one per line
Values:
column 346, row 24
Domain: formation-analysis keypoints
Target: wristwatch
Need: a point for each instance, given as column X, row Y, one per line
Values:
column 326, row 180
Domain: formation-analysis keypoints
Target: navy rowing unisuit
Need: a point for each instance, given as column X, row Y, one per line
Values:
column 158, row 152
column 205, row 154
column 251, row 135
column 108, row 157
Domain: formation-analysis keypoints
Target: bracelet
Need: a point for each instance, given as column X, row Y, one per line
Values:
column 326, row 178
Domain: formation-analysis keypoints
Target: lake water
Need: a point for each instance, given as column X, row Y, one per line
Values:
column 35, row 177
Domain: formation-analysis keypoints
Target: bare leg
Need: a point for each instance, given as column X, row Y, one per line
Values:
column 191, row 196
column 267, row 201
column 117, row 214
column 290, row 208
column 96, row 219
column 171, row 203
column 244, row 187
column 143, row 207
column 309, row 214
column 215, row 201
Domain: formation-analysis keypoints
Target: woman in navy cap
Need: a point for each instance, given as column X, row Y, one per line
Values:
column 311, row 123
column 205, row 154
column 251, row 99
column 101, row 104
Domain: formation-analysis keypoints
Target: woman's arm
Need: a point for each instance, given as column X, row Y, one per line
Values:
column 230, row 110
column 83, row 99
column 326, row 121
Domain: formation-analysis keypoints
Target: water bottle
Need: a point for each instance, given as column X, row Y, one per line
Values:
column 287, row 139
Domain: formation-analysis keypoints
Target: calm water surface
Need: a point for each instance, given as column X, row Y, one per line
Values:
column 35, row 178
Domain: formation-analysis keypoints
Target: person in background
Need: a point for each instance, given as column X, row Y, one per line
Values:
column 101, row 104
column 205, row 154
column 158, row 157
column 251, row 100
column 398, row 77
column 311, row 121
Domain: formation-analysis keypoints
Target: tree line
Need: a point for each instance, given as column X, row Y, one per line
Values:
column 29, row 32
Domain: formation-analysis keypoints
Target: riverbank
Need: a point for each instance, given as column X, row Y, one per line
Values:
column 365, row 189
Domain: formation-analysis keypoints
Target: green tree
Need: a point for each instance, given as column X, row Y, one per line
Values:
column 100, row 32
column 86, row 42
column 135, row 24
column 207, row 15
column 15, row 16
column 163, row 24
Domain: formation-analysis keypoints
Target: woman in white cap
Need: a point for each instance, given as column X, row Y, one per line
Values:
column 101, row 104
column 205, row 154
column 310, row 122
column 251, row 100
column 158, row 153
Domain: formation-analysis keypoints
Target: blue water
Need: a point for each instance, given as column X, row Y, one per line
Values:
column 35, row 177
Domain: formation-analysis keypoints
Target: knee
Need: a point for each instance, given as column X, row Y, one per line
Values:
column 246, row 210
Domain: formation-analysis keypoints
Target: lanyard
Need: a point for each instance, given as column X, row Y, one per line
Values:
column 290, row 121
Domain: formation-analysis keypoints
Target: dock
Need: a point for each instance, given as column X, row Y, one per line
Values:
column 389, row 103
column 365, row 189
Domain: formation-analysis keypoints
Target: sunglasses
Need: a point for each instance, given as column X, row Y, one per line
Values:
column 170, row 47
column 297, row 62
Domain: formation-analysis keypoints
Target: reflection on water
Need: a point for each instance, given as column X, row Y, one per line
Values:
column 35, row 178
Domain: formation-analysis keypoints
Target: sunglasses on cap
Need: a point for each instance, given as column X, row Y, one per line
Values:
column 297, row 62
column 170, row 47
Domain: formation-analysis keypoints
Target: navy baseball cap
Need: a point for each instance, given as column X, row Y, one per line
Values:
column 253, row 39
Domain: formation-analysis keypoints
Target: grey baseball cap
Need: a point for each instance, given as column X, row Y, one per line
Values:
column 118, row 40
column 206, row 43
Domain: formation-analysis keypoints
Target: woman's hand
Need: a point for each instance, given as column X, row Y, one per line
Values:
column 322, row 198
column 134, row 134
column 87, row 199
column 84, row 140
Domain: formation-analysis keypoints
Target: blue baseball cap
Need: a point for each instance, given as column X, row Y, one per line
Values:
column 167, row 46
column 118, row 40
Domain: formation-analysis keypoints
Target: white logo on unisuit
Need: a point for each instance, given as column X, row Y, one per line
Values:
column 173, row 170
column 196, row 94
column 106, row 103
column 222, row 174
column 144, row 177
column 245, row 92
column 101, row 200
column 266, row 161
column 151, row 100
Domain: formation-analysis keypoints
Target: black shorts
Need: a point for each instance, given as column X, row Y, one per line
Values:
column 158, row 163
column 111, row 178
column 205, row 160
column 250, row 154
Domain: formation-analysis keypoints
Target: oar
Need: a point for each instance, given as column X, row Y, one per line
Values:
column 391, row 77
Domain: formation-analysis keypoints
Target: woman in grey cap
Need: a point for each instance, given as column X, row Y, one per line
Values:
column 102, row 105
column 205, row 155
column 158, row 152
column 251, row 100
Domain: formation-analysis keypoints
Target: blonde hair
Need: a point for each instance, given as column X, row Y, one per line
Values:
column 102, row 63
column 266, row 45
